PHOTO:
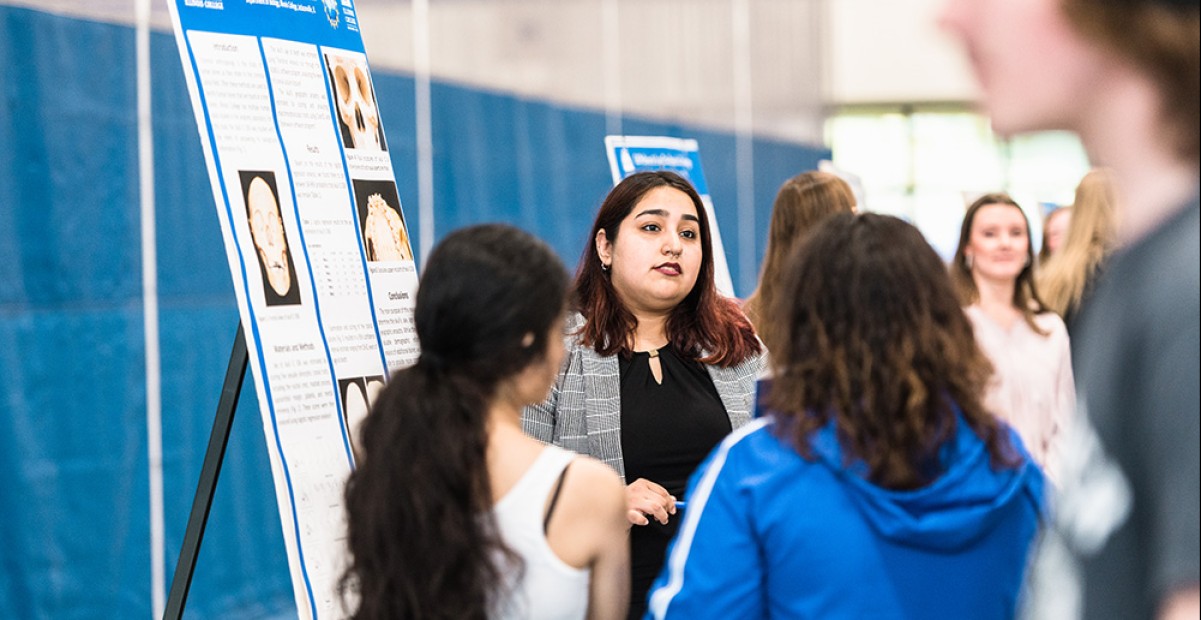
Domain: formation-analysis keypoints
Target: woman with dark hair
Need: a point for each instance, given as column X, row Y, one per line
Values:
column 875, row 484
column 453, row 512
column 802, row 203
column 993, row 271
column 1126, row 76
column 659, row 366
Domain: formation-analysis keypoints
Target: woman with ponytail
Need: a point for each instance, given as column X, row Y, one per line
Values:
column 453, row 512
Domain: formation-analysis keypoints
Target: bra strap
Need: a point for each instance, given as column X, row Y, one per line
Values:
column 554, row 498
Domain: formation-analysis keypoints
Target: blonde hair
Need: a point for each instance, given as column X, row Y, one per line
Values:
column 1090, row 238
column 802, row 203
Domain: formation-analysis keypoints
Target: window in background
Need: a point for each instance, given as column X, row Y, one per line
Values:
column 876, row 148
column 927, row 164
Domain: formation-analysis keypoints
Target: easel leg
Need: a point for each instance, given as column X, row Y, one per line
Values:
column 182, row 580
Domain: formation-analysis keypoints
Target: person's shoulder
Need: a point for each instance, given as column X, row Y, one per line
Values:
column 588, row 469
column 589, row 518
column 1174, row 247
column 592, row 488
column 1051, row 323
column 573, row 329
column 1174, row 235
column 756, row 446
column 975, row 314
column 1160, row 272
column 755, row 363
column 573, row 322
column 1178, row 252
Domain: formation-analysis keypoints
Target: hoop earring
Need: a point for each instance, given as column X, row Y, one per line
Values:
column 604, row 268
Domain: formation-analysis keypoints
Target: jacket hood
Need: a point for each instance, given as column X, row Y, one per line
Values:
column 954, row 511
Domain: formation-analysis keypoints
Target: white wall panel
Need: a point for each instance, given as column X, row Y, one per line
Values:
column 890, row 51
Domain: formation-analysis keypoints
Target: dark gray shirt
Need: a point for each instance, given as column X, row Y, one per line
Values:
column 1128, row 514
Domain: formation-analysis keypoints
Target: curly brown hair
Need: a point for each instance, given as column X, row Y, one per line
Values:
column 704, row 326
column 875, row 341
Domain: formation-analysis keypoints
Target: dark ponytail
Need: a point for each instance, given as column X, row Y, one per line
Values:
column 422, row 539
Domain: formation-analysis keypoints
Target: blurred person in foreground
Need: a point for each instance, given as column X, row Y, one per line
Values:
column 1068, row 279
column 875, row 484
column 802, row 203
column 1125, row 76
column 993, row 272
column 453, row 513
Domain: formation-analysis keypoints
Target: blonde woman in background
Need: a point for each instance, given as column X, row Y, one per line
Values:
column 1055, row 230
column 1066, row 280
column 993, row 272
column 802, row 203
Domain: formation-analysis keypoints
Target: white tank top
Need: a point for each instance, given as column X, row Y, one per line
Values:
column 549, row 588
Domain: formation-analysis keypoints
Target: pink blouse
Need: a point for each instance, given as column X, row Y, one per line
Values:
column 1033, row 389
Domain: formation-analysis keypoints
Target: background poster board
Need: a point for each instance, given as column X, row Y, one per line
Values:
column 316, row 240
column 630, row 154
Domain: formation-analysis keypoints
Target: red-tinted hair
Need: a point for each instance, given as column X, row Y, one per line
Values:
column 704, row 326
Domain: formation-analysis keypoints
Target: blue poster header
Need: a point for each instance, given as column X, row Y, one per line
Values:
column 332, row 23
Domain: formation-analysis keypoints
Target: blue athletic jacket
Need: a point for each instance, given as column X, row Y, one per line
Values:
column 767, row 534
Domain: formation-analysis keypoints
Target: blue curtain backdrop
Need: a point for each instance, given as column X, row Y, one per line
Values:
column 74, row 500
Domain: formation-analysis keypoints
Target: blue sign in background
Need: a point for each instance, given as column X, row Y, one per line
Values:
column 686, row 163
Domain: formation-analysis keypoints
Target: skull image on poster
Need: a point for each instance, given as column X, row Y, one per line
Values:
column 354, row 98
column 266, row 226
column 385, row 235
column 358, row 396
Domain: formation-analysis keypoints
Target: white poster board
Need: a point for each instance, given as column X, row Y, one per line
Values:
column 316, row 240
column 630, row 154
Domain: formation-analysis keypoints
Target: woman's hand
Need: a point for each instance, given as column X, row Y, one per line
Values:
column 645, row 499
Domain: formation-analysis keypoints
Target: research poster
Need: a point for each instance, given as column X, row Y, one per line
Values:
column 630, row 154
column 316, row 240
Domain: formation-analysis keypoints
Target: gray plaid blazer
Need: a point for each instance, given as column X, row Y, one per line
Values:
column 583, row 412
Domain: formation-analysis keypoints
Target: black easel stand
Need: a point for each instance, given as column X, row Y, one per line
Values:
column 182, row 580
